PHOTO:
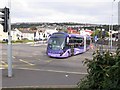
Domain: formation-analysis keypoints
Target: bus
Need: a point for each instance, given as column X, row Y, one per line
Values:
column 62, row 45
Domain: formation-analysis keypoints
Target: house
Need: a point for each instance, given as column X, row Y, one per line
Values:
column 28, row 34
column 72, row 31
column 44, row 33
column 3, row 35
column 16, row 34
column 50, row 30
column 86, row 32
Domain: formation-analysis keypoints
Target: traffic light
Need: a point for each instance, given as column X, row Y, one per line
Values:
column 5, row 17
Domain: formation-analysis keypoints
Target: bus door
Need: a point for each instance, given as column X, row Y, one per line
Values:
column 72, row 45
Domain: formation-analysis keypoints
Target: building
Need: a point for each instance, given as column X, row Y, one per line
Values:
column 45, row 32
column 3, row 35
column 86, row 32
column 16, row 34
column 28, row 34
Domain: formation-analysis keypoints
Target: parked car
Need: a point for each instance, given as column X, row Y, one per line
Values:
column 5, row 40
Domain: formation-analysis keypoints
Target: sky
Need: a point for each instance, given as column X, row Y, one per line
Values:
column 80, row 11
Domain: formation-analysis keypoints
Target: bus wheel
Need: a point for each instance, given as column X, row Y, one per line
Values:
column 69, row 54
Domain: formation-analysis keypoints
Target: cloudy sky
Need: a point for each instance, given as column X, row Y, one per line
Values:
column 82, row 11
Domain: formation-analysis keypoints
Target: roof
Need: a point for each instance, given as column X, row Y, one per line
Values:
column 27, row 31
column 89, row 31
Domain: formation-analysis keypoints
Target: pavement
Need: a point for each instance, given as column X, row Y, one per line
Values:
column 40, row 79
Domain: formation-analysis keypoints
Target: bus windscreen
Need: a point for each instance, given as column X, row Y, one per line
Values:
column 56, row 42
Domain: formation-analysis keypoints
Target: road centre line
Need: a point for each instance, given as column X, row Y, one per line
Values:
column 26, row 62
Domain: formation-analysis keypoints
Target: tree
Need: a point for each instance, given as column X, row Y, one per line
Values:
column 96, row 32
column 103, row 72
column 33, row 28
column 100, row 33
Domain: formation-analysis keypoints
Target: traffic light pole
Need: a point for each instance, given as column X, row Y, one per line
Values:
column 10, row 74
column 6, row 22
column 9, row 49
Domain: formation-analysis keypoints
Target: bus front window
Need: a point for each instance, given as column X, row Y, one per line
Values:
column 56, row 43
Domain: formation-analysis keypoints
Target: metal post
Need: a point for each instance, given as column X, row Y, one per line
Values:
column 84, row 43
column 9, row 54
column 101, row 41
column 9, row 50
column 118, row 44
column 119, row 38
column 112, row 25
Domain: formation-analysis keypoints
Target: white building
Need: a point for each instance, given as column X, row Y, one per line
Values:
column 27, row 34
column 86, row 32
column 45, row 32
column 41, row 33
column 16, row 34
column 51, row 30
column 3, row 35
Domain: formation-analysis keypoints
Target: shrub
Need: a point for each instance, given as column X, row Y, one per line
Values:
column 103, row 72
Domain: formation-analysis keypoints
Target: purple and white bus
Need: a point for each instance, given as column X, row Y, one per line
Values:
column 61, row 45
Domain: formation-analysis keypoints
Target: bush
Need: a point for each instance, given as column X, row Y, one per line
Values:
column 103, row 72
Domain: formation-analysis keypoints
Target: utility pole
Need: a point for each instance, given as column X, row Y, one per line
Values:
column 119, row 25
column 111, row 29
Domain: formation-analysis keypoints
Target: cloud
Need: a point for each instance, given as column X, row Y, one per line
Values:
column 92, row 11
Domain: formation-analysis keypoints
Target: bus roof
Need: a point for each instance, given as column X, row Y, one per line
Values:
column 70, row 35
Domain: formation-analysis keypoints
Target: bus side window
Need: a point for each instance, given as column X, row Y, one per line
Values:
column 71, row 42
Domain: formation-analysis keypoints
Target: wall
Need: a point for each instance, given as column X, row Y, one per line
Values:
column 3, row 35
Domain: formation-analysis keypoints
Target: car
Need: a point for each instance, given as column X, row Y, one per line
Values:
column 5, row 40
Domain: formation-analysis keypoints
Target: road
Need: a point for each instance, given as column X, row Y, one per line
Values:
column 32, row 61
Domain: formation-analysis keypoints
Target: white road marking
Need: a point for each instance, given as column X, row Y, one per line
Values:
column 68, row 72
column 26, row 62
column 3, row 62
column 13, row 57
column 44, row 86
column 1, row 68
column 3, row 65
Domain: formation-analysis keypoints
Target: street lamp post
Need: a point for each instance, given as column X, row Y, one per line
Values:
column 110, row 31
column 119, row 24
